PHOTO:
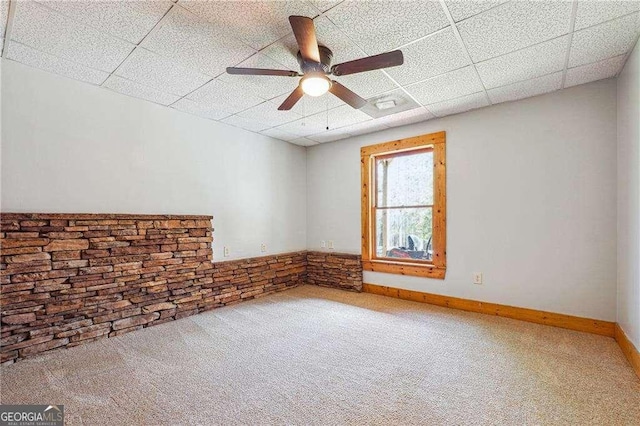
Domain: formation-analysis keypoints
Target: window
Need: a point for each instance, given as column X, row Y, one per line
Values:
column 404, row 206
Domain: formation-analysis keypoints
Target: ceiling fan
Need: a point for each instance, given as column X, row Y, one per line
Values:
column 315, row 63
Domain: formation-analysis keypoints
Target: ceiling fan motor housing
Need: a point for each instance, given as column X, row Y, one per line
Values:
column 324, row 66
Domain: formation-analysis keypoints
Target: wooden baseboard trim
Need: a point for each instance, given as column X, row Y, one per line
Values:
column 604, row 328
column 628, row 349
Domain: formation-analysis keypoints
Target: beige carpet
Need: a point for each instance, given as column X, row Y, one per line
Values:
column 320, row 356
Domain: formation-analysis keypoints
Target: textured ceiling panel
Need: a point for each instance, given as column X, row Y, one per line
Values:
column 530, row 62
column 519, row 48
column 50, row 32
column 590, row 13
column 196, row 43
column 606, row 40
column 305, row 127
column 220, row 95
column 130, row 88
column 367, row 84
column 596, row 71
column 330, row 135
column 458, row 105
column 279, row 134
column 514, row 25
column 128, row 20
column 436, row 54
column 526, row 89
column 243, row 123
column 191, row 107
column 4, row 13
column 267, row 113
column 463, row 9
column 447, row 86
column 339, row 117
column 35, row 58
column 161, row 73
column 406, row 117
column 266, row 87
column 379, row 26
column 258, row 23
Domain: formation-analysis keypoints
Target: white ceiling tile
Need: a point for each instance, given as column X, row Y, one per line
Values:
column 304, row 142
column 514, row 25
column 463, row 9
column 279, row 134
column 416, row 115
column 330, row 135
column 310, row 105
column 606, row 40
column 305, row 127
column 458, row 105
column 129, row 20
column 367, row 84
column 447, row 86
column 267, row 113
column 219, row 95
column 130, row 88
column 4, row 14
column 530, row 62
column 379, row 26
column 324, row 5
column 525, row 89
column 284, row 52
column 196, row 43
column 32, row 57
column 596, row 71
column 161, row 73
column 258, row 23
column 594, row 12
column 364, row 127
column 194, row 108
column 266, row 87
column 39, row 27
column 436, row 54
column 251, row 125
column 339, row 117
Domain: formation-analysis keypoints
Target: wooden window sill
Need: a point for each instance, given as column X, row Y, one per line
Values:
column 401, row 268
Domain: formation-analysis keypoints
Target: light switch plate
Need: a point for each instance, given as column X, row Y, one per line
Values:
column 477, row 277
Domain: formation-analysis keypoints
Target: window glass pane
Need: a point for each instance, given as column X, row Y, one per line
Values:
column 405, row 180
column 404, row 233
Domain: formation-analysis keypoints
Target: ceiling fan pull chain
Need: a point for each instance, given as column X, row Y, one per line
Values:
column 326, row 98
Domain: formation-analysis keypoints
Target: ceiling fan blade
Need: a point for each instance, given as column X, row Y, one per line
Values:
column 347, row 95
column 260, row 71
column 291, row 99
column 305, row 33
column 370, row 63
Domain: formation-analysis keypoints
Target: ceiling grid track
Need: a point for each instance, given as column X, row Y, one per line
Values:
column 140, row 42
column 464, row 47
column 572, row 26
column 7, row 31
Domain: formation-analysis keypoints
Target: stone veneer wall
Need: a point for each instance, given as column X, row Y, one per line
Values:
column 339, row 270
column 67, row 279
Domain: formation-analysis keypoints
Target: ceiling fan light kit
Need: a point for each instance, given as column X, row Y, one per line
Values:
column 315, row 63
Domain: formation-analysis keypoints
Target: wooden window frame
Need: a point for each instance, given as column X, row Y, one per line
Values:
column 436, row 268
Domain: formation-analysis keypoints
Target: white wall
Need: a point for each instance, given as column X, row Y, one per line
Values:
column 72, row 147
column 629, row 198
column 531, row 200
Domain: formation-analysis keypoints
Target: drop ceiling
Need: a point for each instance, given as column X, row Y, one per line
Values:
column 459, row 55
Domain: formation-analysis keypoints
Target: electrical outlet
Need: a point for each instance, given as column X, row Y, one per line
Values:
column 226, row 252
column 263, row 247
column 477, row 277
column 323, row 244
column 330, row 244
